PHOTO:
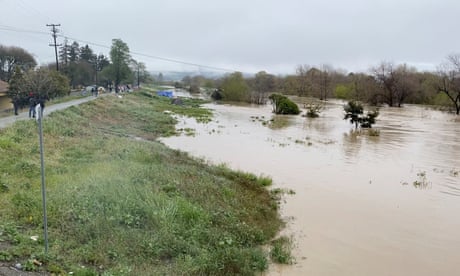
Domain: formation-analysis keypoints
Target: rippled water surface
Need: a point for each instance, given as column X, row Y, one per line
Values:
column 363, row 205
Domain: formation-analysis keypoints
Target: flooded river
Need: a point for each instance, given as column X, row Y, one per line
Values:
column 363, row 205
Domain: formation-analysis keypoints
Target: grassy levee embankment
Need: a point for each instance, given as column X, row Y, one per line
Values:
column 121, row 203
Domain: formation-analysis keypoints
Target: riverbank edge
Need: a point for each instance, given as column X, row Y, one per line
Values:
column 237, row 176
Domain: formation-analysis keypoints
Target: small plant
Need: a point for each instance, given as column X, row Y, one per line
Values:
column 264, row 181
column 4, row 188
column 422, row 181
column 5, row 256
column 31, row 265
column 281, row 251
column 374, row 132
column 313, row 109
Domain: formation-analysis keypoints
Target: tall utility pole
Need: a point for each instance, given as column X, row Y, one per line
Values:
column 54, row 30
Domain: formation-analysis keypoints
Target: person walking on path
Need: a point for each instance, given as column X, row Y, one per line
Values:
column 32, row 103
column 16, row 105
column 41, row 102
column 9, row 120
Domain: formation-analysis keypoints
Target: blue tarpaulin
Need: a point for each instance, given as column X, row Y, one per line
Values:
column 165, row 93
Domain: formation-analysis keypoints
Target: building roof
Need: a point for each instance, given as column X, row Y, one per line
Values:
column 3, row 86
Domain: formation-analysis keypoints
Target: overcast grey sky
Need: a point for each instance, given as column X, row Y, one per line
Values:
column 249, row 35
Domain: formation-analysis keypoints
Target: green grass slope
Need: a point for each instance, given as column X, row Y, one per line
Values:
column 120, row 203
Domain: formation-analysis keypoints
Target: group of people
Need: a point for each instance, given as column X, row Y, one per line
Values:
column 35, row 101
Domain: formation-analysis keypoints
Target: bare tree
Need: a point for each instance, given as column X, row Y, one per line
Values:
column 405, row 83
column 303, row 81
column 262, row 85
column 385, row 77
column 449, row 81
column 11, row 57
column 324, row 81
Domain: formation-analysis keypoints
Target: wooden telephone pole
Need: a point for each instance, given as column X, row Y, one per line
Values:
column 55, row 31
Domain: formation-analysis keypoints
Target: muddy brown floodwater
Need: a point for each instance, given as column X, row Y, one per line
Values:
column 363, row 205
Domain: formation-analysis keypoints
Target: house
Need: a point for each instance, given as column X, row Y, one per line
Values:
column 5, row 101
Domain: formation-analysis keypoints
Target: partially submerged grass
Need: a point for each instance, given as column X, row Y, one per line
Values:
column 120, row 203
column 281, row 250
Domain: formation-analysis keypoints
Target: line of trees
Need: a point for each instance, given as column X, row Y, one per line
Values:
column 80, row 67
column 83, row 67
column 385, row 84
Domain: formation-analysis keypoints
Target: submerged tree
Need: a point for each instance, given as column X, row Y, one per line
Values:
column 449, row 83
column 313, row 109
column 354, row 112
column 282, row 105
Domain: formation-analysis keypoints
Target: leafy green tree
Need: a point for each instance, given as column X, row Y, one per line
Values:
column 64, row 53
column 235, row 88
column 282, row 105
column 74, row 52
column 100, row 62
column 59, row 85
column 86, row 54
column 344, row 91
column 119, row 70
column 17, row 91
column 16, row 85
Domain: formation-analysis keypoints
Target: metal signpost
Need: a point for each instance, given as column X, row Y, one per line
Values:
column 39, row 115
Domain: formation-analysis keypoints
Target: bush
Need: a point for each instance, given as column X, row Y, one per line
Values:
column 313, row 109
column 354, row 111
column 283, row 105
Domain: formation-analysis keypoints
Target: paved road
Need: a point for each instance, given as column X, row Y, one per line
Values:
column 24, row 115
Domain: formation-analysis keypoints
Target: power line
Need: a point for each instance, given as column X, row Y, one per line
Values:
column 184, row 62
column 156, row 57
column 55, row 31
column 14, row 29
